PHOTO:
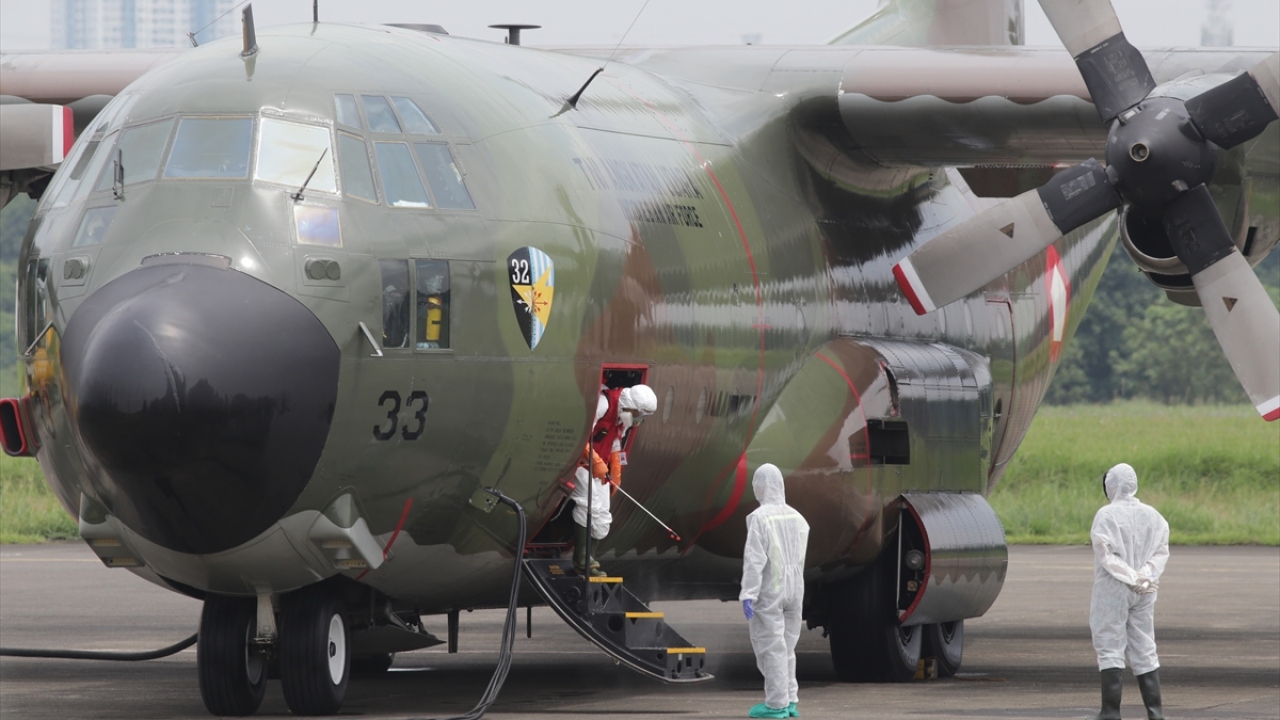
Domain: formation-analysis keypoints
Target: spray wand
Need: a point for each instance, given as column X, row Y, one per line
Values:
column 674, row 535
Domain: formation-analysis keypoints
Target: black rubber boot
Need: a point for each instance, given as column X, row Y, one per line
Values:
column 1112, row 685
column 1149, row 684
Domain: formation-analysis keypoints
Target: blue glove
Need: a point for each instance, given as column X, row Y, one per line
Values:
column 747, row 609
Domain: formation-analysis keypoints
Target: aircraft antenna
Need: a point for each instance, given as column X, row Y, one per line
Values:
column 572, row 102
column 250, row 34
column 625, row 34
column 192, row 35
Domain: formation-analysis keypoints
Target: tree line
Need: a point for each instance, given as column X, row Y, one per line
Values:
column 1132, row 343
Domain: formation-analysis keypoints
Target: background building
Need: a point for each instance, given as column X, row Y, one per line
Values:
column 138, row 23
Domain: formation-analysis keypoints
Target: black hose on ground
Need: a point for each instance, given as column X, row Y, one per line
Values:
column 509, row 627
column 101, row 655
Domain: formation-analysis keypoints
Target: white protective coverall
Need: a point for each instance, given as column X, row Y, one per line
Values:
column 601, row 518
column 773, row 580
column 1130, row 549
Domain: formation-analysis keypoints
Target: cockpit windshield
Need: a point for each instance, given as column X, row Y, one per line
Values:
column 289, row 151
column 211, row 148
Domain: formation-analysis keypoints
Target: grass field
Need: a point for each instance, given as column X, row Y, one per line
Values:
column 1214, row 472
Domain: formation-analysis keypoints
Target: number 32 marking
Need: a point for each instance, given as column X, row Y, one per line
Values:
column 392, row 398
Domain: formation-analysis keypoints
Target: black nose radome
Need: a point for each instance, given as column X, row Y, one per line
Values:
column 203, row 396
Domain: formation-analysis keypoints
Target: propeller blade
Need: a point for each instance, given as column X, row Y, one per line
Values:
column 1240, row 108
column 1114, row 71
column 986, row 246
column 1240, row 312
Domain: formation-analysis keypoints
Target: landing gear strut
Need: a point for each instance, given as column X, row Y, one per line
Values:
column 233, row 673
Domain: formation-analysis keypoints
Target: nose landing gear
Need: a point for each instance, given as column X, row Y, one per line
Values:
column 313, row 649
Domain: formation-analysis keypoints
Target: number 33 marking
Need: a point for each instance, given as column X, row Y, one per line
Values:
column 393, row 415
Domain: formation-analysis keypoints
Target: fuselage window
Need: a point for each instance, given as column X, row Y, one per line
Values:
column 37, row 295
column 415, row 121
column 348, row 113
column 381, row 118
column 288, row 152
column 94, row 226
column 211, row 148
column 101, row 155
column 353, row 165
column 139, row 151
column 395, row 303
column 443, row 176
column 432, row 304
column 317, row 225
column 400, row 179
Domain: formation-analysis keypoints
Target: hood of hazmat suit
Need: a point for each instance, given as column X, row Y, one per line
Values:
column 773, row 579
column 639, row 398
column 1130, row 548
column 602, row 407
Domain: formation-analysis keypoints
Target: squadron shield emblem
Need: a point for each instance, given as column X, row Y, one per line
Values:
column 533, row 280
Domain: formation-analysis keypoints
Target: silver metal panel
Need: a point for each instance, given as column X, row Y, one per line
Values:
column 965, row 556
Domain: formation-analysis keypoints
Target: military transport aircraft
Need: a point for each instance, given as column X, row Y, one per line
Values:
column 292, row 301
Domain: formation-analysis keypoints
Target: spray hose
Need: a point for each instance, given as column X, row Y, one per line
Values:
column 509, row 626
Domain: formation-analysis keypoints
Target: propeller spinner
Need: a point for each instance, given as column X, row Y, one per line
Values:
column 1160, row 154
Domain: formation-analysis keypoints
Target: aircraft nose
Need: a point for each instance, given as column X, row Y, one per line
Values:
column 203, row 397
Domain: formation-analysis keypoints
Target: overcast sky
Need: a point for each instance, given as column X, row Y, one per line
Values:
column 24, row 24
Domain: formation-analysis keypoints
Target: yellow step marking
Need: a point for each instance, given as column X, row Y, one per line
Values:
column 641, row 615
column 686, row 651
column 605, row 579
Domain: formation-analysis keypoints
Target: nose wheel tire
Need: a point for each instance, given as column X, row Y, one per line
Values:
column 944, row 642
column 315, row 652
column 233, row 675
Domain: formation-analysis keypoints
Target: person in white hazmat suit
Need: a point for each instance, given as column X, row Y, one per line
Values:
column 773, row 591
column 1130, row 549
column 591, row 476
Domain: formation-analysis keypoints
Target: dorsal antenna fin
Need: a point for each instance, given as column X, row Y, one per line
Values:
column 250, row 35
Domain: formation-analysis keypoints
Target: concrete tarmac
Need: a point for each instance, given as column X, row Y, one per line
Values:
column 1217, row 625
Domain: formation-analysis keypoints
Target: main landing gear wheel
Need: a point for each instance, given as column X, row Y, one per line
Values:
column 315, row 651
column 944, row 642
column 867, row 645
column 233, row 675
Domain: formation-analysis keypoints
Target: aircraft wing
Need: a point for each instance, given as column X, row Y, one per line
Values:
column 49, row 97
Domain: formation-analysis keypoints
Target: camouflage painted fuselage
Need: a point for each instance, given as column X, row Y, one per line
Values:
column 725, row 236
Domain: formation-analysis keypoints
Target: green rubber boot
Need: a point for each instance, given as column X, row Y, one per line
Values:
column 1149, row 684
column 581, row 562
column 1112, row 685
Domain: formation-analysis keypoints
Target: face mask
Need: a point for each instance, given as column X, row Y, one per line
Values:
column 625, row 420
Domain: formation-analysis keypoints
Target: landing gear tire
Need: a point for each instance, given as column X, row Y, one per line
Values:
column 867, row 645
column 372, row 665
column 315, row 652
column 233, row 675
column 944, row 642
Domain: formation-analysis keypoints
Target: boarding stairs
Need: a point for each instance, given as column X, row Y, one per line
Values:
column 616, row 621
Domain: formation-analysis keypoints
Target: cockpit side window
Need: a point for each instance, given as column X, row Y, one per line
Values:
column 101, row 157
column 381, row 118
column 288, row 152
column 348, row 113
column 400, row 179
column 395, row 303
column 353, row 165
column 211, row 148
column 444, row 176
column 68, row 182
column 94, row 226
column 432, row 304
column 415, row 121
column 139, row 151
